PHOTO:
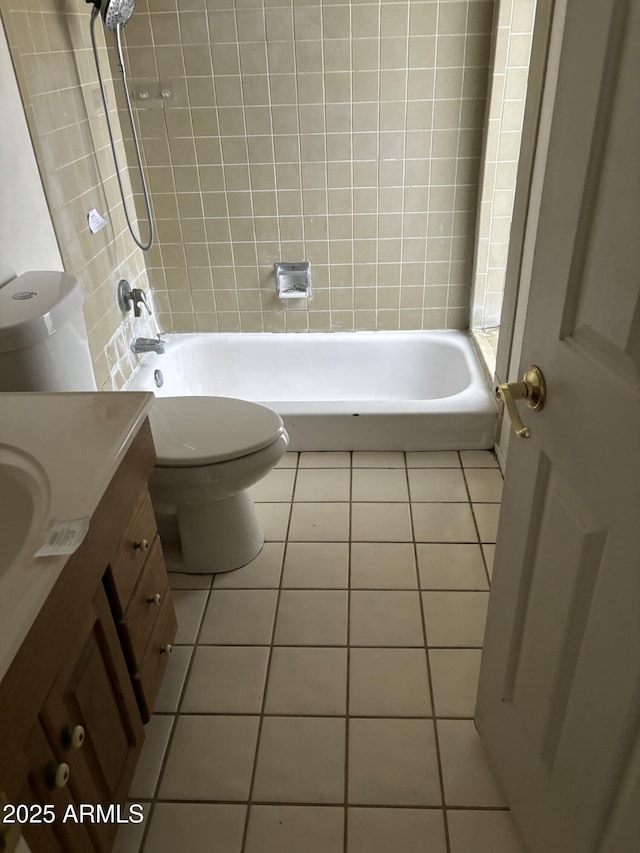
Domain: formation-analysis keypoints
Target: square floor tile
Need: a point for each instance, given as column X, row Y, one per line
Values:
column 210, row 758
column 196, row 827
column 276, row 486
column 454, row 676
column 445, row 522
column 307, row 681
column 393, row 763
column 181, row 580
column 455, row 618
column 239, row 617
column 433, row 459
column 301, row 759
column 380, row 484
column 289, row 460
column 226, row 680
column 483, row 832
column 323, row 484
column 320, row 565
column 485, row 484
column 451, row 567
column 437, row 485
column 385, row 619
column 389, row 683
column 487, row 516
column 319, row 522
column 128, row 838
column 274, row 520
column 156, row 737
column 401, row 830
column 295, row 829
column 378, row 459
column 189, row 605
column 380, row 522
column 263, row 572
column 468, row 778
column 489, row 552
column 325, row 459
column 383, row 565
column 478, row 459
column 311, row 618
column 173, row 681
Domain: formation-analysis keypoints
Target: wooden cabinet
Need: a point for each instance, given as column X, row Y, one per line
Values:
column 138, row 588
column 75, row 698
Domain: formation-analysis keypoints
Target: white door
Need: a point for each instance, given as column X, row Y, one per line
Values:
column 559, row 696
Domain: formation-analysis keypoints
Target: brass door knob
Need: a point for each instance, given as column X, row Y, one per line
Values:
column 532, row 390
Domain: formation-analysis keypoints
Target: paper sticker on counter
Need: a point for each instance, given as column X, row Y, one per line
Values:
column 65, row 538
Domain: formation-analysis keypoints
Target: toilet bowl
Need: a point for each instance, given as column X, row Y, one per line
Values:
column 210, row 451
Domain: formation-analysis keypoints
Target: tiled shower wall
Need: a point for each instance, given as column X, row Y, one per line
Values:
column 513, row 37
column 51, row 53
column 346, row 134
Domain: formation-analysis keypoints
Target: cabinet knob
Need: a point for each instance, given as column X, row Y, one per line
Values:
column 72, row 737
column 142, row 545
column 166, row 650
column 155, row 599
column 56, row 775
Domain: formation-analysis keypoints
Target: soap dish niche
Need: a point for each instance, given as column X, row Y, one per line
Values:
column 293, row 280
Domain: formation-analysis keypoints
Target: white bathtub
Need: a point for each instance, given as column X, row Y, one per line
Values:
column 341, row 390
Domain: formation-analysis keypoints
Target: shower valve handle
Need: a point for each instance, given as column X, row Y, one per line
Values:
column 138, row 298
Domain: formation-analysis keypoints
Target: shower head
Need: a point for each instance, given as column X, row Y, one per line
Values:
column 115, row 12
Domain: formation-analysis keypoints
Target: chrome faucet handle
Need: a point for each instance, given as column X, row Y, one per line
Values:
column 138, row 298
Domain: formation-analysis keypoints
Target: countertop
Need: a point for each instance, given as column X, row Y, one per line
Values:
column 80, row 440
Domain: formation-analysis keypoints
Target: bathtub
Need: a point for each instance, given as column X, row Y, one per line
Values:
column 340, row 390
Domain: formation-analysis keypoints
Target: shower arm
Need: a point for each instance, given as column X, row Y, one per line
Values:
column 144, row 246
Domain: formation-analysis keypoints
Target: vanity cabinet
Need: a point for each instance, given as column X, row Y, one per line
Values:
column 73, row 702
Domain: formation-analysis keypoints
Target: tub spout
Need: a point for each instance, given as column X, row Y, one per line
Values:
column 141, row 345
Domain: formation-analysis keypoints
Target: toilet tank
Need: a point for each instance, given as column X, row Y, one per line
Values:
column 43, row 338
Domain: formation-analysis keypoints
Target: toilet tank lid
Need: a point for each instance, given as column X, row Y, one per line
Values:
column 34, row 305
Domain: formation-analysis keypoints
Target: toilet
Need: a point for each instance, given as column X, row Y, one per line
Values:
column 210, row 450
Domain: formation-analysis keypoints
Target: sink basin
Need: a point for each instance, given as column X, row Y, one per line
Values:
column 25, row 495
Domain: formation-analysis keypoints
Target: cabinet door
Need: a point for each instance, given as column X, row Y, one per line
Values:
column 61, row 836
column 92, row 720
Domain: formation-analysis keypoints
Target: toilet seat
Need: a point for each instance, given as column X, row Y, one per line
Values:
column 193, row 431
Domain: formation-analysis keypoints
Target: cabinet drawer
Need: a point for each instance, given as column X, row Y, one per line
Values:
column 124, row 571
column 151, row 670
column 144, row 606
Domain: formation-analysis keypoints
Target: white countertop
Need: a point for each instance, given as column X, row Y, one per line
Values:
column 80, row 440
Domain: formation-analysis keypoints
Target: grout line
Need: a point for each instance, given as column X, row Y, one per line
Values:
column 268, row 671
column 333, row 805
column 347, row 724
column 176, row 714
column 430, row 682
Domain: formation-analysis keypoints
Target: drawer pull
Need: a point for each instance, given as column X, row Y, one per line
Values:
column 155, row 599
column 166, row 650
column 142, row 545
column 56, row 775
column 72, row 737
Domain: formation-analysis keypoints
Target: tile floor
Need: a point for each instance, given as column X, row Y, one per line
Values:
column 320, row 700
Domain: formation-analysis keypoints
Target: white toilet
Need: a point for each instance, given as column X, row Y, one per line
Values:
column 210, row 449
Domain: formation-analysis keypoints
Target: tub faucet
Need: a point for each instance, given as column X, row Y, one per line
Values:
column 141, row 345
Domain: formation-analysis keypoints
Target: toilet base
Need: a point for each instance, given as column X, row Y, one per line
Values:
column 217, row 537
